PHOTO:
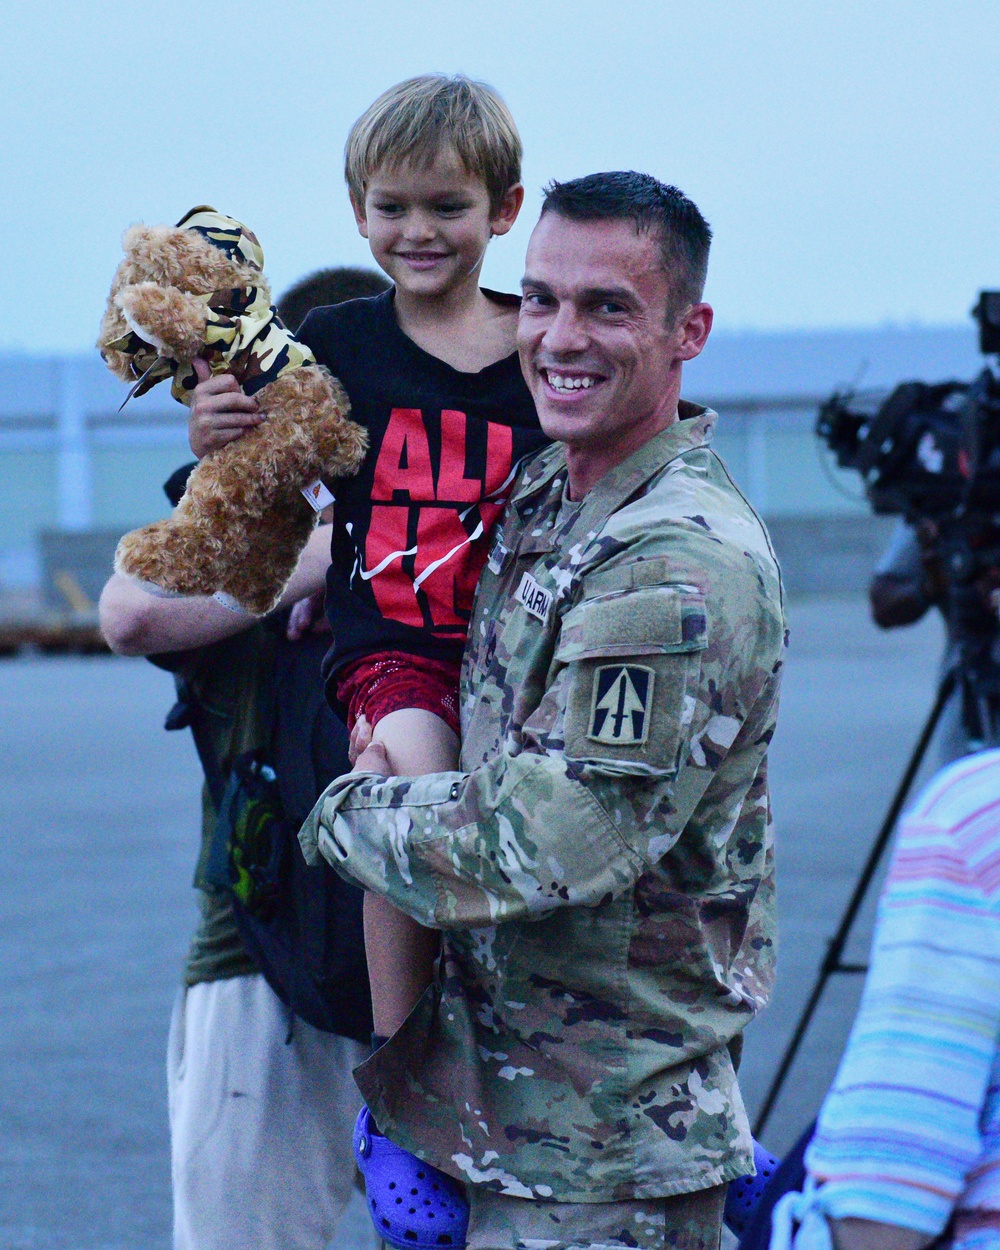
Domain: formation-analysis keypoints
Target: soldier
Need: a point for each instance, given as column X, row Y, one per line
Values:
column 601, row 863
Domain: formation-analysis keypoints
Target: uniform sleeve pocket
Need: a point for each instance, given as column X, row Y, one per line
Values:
column 633, row 665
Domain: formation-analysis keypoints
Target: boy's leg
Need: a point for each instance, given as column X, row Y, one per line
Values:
column 401, row 956
column 400, row 952
column 417, row 742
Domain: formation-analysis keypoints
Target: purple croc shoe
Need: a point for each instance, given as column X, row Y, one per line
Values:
column 413, row 1205
column 744, row 1194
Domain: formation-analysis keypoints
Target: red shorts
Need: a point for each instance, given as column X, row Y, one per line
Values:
column 393, row 680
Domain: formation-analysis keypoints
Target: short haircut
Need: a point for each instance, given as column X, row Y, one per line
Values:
column 325, row 287
column 684, row 234
column 415, row 119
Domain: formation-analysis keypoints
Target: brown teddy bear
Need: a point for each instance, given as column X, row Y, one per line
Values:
column 197, row 289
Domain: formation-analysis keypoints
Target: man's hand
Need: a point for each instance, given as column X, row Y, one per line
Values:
column 373, row 759
column 220, row 412
column 365, row 754
column 361, row 738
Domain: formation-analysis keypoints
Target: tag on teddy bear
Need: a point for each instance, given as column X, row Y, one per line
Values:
column 317, row 496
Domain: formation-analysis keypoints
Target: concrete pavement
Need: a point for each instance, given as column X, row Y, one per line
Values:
column 100, row 814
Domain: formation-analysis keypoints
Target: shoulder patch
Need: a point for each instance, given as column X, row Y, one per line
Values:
column 621, row 704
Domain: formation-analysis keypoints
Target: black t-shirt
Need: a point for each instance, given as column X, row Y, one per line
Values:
column 412, row 528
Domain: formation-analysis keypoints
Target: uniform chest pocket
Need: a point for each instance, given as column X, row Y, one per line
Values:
column 633, row 668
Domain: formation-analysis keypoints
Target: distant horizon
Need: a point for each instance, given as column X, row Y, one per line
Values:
column 737, row 363
column 719, row 331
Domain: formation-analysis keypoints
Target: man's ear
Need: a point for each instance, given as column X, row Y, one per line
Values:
column 359, row 216
column 693, row 328
column 509, row 208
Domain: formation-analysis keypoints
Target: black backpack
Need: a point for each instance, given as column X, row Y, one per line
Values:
column 301, row 924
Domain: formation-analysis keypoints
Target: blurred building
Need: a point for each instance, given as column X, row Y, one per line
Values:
column 75, row 472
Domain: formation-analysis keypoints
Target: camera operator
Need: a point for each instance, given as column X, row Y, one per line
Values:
column 909, row 580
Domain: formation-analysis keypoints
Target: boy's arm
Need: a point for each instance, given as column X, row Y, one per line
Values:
column 135, row 622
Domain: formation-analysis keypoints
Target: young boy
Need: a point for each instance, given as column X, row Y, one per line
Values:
column 433, row 170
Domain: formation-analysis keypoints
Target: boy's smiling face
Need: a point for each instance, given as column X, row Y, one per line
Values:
column 429, row 225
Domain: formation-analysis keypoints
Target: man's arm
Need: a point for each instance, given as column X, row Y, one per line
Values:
column 514, row 839
column 526, row 833
column 908, row 579
column 135, row 622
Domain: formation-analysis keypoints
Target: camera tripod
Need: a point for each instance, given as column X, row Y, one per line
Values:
column 978, row 711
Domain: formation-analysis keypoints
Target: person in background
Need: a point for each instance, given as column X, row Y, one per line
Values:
column 261, row 1106
column 326, row 287
column 908, row 581
column 906, row 1152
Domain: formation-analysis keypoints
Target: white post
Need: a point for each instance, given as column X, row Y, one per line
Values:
column 74, row 507
column 757, row 475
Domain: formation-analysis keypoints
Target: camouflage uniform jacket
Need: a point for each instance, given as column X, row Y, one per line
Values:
column 602, row 866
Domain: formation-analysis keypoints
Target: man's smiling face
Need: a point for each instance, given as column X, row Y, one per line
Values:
column 599, row 349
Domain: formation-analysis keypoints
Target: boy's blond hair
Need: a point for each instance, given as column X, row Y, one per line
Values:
column 415, row 119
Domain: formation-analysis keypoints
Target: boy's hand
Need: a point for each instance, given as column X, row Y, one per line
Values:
column 220, row 412
column 361, row 739
column 307, row 617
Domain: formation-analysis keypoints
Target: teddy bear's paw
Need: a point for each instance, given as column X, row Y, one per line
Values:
column 341, row 445
column 254, row 601
column 257, row 581
column 174, row 556
column 172, row 321
column 257, row 586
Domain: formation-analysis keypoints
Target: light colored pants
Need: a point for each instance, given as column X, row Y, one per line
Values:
column 260, row 1127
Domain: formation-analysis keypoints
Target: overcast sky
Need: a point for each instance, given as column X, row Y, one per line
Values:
column 845, row 154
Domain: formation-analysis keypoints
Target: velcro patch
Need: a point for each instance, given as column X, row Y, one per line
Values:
column 621, row 705
column 533, row 598
column 498, row 555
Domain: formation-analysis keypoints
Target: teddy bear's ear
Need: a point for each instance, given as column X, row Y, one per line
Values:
column 136, row 239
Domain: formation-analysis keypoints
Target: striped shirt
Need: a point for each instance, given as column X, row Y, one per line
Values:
column 910, row 1131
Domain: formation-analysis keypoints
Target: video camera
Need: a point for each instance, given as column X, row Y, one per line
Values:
column 928, row 451
column 931, row 454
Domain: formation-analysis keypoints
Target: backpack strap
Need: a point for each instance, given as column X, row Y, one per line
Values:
column 187, row 713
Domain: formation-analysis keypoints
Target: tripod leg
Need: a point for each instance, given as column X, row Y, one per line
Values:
column 831, row 962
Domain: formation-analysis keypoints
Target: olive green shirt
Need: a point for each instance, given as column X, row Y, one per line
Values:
column 225, row 680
